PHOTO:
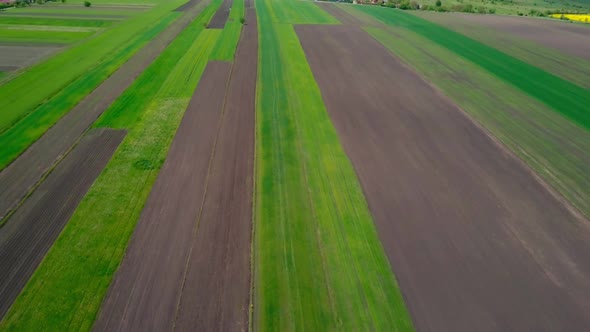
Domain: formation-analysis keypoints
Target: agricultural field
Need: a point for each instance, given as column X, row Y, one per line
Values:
column 286, row 165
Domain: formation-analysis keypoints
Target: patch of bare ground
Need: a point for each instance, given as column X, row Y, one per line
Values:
column 188, row 264
column 476, row 242
column 39, row 221
column 216, row 291
column 568, row 38
column 218, row 20
column 21, row 176
column 342, row 16
column 21, row 55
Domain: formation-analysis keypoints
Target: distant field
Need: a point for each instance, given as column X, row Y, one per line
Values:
column 42, row 36
column 54, row 21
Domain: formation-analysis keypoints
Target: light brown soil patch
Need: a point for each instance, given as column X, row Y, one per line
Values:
column 475, row 241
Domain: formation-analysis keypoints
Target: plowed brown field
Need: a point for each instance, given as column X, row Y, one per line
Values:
column 476, row 241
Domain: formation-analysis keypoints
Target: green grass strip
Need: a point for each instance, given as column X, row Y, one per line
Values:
column 69, row 65
column 19, row 137
column 65, row 292
column 318, row 261
column 297, row 12
column 28, row 36
column 226, row 45
column 54, row 21
column 557, row 149
column 570, row 100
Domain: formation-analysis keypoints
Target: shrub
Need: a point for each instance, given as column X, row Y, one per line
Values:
column 492, row 10
column 438, row 3
column 87, row 4
column 242, row 20
column 481, row 9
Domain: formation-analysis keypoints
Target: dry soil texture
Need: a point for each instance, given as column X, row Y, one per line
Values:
column 573, row 39
column 38, row 222
column 20, row 176
column 218, row 20
column 476, row 242
column 22, row 56
column 216, row 290
column 188, row 264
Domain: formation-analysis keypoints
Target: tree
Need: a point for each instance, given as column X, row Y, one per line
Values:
column 438, row 3
column 87, row 4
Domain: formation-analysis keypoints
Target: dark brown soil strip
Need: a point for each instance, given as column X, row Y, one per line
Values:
column 20, row 177
column 475, row 241
column 216, row 292
column 145, row 292
column 39, row 221
column 221, row 15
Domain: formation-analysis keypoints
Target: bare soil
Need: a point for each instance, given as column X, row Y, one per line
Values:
column 218, row 20
column 21, row 56
column 146, row 290
column 23, row 174
column 219, row 267
column 475, row 241
column 39, row 221
column 188, row 264
column 572, row 39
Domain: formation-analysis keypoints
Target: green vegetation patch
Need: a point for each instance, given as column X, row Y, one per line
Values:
column 69, row 65
column 66, row 291
column 568, row 99
column 19, row 137
column 228, row 42
column 558, row 150
column 318, row 262
column 572, row 68
column 36, row 36
column 54, row 21
column 297, row 12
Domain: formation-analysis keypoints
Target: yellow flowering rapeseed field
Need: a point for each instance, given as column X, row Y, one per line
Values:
column 574, row 17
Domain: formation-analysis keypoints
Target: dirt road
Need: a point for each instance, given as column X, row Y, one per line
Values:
column 475, row 241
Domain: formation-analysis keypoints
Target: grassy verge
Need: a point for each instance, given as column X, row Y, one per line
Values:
column 19, row 137
column 66, row 291
column 558, row 63
column 556, row 149
column 564, row 97
column 318, row 262
column 227, row 43
column 54, row 21
column 29, row 36
column 69, row 65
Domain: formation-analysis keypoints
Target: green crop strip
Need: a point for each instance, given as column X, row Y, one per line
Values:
column 28, row 36
column 20, row 136
column 297, row 12
column 69, row 65
column 54, row 21
column 66, row 290
column 318, row 262
column 570, row 100
column 557, row 149
column 226, row 46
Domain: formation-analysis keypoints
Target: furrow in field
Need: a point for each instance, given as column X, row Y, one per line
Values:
column 38, row 222
column 476, row 242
